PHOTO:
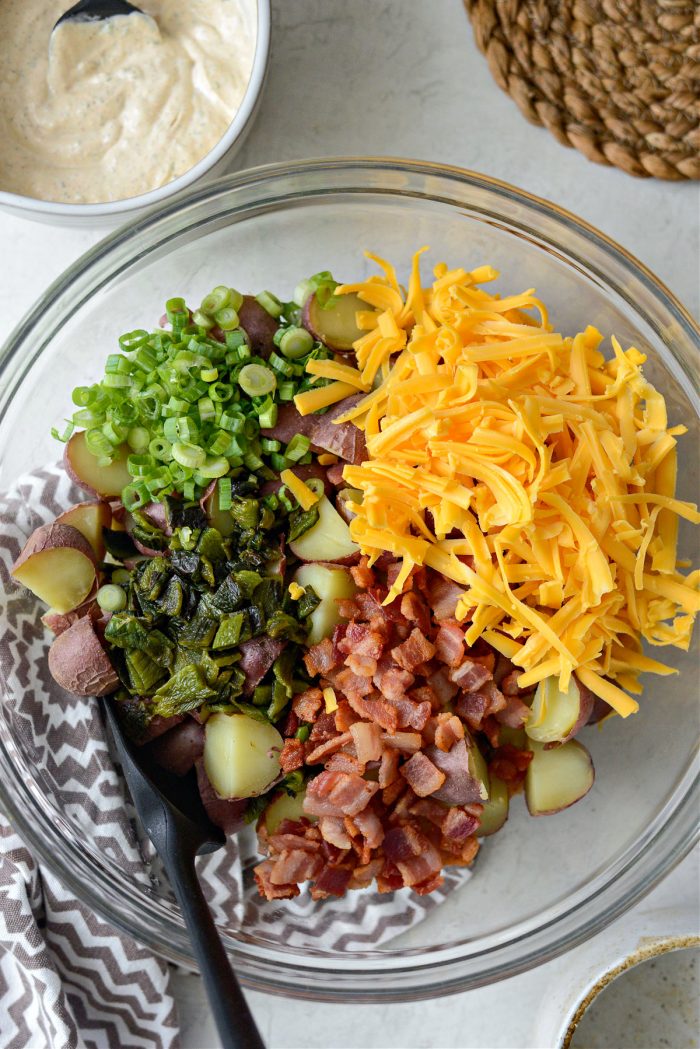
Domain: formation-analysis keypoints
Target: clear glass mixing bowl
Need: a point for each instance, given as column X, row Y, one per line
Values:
column 540, row 885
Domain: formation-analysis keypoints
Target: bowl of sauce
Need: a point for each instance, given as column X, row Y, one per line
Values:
column 101, row 118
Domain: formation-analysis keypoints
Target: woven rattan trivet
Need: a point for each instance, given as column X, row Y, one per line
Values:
column 617, row 79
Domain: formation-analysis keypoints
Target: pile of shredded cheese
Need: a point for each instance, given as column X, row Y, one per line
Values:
column 526, row 467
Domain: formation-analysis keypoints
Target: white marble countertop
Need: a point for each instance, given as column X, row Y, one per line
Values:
column 404, row 78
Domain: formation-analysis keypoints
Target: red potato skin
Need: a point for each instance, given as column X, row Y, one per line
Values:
column 59, row 622
column 258, row 325
column 177, row 749
column 68, row 467
column 79, row 663
column 106, row 514
column 587, row 701
column 226, row 813
column 50, row 537
column 460, row 787
column 553, row 812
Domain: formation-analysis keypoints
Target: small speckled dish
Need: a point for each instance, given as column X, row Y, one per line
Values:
column 111, row 213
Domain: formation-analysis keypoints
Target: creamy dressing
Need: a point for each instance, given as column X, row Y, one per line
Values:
column 100, row 111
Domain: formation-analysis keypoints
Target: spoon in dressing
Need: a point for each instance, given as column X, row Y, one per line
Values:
column 98, row 11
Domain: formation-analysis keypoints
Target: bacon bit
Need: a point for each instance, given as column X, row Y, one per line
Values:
column 368, row 742
column 416, row 649
column 514, row 714
column 469, row 675
column 443, row 596
column 318, row 754
column 393, row 791
column 342, row 762
column 415, row 611
column 323, row 729
column 510, row 764
column 363, row 574
column 472, row 707
column 345, row 716
column 393, row 682
column 486, row 659
column 492, row 730
column 412, row 853
column 363, row 638
column 361, row 665
column 267, row 888
column 333, row 830
column 377, row 709
column 388, row 768
column 422, row 776
column 410, row 714
column 449, row 643
column 509, row 685
column 306, row 705
column 444, row 689
column 449, row 729
column 429, row 809
column 429, row 885
column 347, row 608
column 352, row 684
column 466, row 857
column 320, row 659
column 337, row 794
column 292, row 755
column 370, row 827
column 458, row 825
column 289, row 840
column 295, row 866
column 363, row 876
column 408, row 742
column 291, row 724
column 332, row 881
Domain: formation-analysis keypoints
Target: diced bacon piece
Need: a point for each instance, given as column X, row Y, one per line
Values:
column 324, row 750
column 291, row 724
column 394, row 791
column 370, row 827
column 295, row 866
column 375, row 708
column 449, row 644
column 509, row 685
column 368, row 606
column 465, row 856
column 292, row 755
column 510, row 764
column 407, row 742
column 472, row 707
column 416, row 611
column 393, row 682
column 422, row 776
column 483, row 655
column 332, row 881
column 412, row 853
column 338, row 794
column 362, row 574
column 334, row 474
column 416, row 649
column 368, row 740
column 320, row 658
column 429, row 809
column 492, row 730
column 323, row 729
column 444, row 689
column 333, row 830
column 342, row 762
column 267, row 888
column 288, row 841
column 458, row 824
column 363, row 876
column 410, row 714
column 449, row 729
column 345, row 716
column 388, row 768
column 429, row 885
column 514, row 714
column 443, row 595
column 361, row 665
column 469, row 675
column 362, row 638
column 352, row 684
column 306, row 705
column 347, row 608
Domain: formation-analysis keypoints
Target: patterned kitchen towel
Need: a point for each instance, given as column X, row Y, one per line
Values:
column 67, row 978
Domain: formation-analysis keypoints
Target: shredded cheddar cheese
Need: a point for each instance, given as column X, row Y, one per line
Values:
column 330, row 700
column 525, row 466
column 295, row 591
column 304, row 495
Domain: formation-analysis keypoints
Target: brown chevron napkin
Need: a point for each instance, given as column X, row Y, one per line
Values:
column 67, row 978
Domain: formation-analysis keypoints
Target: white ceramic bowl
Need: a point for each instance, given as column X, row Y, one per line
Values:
column 212, row 164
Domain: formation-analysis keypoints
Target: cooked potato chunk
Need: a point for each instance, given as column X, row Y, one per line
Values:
column 558, row 777
column 241, row 755
column 331, row 583
column 327, row 540
column 84, row 468
column 58, row 565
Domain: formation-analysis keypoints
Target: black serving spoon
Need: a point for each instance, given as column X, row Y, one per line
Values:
column 173, row 816
column 97, row 11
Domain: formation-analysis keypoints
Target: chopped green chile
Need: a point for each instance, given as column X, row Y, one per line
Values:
column 300, row 521
column 185, row 691
column 230, row 629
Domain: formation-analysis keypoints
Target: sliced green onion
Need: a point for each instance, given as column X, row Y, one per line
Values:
column 132, row 340
column 214, row 467
column 278, row 462
column 269, row 444
column 227, row 318
column 296, row 342
column 303, row 291
column 270, row 303
column 66, row 435
column 232, row 423
column 268, row 416
column 219, row 443
column 237, row 339
column 220, row 391
column 189, row 455
column 286, row 391
column 281, row 365
column 117, row 381
column 138, row 438
column 224, row 493
column 121, row 575
column 209, row 374
column 216, row 299
column 159, row 448
column 256, row 380
column 202, row 320
column 83, row 396
column 205, row 406
column 297, row 447
column 111, row 598
column 98, row 444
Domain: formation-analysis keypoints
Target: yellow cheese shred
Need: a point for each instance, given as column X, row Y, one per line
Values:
column 525, row 466
column 329, row 698
column 305, row 496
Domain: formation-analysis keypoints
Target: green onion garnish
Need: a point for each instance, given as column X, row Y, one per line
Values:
column 297, row 448
column 295, row 343
column 256, row 380
column 270, row 303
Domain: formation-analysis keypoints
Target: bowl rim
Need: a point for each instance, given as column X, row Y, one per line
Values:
column 439, row 970
column 236, row 130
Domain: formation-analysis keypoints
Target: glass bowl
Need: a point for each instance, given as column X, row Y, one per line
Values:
column 539, row 886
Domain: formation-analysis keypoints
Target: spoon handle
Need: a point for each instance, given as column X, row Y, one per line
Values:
column 234, row 1020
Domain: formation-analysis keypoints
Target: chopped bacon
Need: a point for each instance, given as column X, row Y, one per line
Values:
column 342, row 762
column 267, row 888
column 297, row 865
column 365, row 875
column 368, row 742
column 472, row 707
column 409, row 742
column 361, row 665
column 352, row 684
column 416, row 649
column 388, row 768
column 429, row 809
column 337, row 794
column 333, row 830
column 345, row 716
column 393, row 682
column 363, row 638
column 458, row 824
column 510, row 764
column 289, row 839
column 465, row 856
column 443, row 596
column 320, row 659
column 410, row 714
column 509, row 685
column 444, row 689
column 413, row 854
column 332, row 881
column 370, row 827
column 429, row 885
column 368, row 606
column 347, row 608
column 415, row 611
column 469, row 675
column 514, row 714
column 362, row 574
column 449, row 643
column 376, row 708
column 292, row 755
column 422, row 776
column 323, row 750
column 449, row 729
column 306, row 705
